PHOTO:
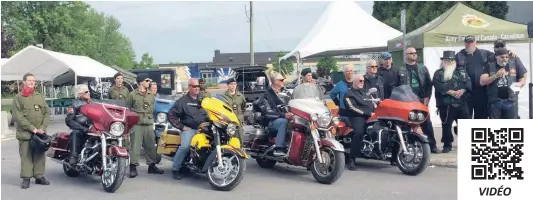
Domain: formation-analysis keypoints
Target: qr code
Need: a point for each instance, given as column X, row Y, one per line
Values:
column 497, row 153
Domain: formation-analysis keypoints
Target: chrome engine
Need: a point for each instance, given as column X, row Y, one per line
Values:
column 376, row 141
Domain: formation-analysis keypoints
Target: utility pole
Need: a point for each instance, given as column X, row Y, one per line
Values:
column 252, row 63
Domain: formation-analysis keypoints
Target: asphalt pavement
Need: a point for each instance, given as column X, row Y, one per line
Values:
column 374, row 181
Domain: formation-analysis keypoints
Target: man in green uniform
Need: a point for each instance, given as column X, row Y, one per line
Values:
column 32, row 115
column 141, row 101
column 203, row 89
column 237, row 101
column 120, row 92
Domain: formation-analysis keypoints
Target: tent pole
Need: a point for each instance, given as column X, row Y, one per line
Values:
column 101, row 88
column 530, row 82
column 18, row 86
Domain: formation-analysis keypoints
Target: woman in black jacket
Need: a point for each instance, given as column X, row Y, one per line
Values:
column 360, row 108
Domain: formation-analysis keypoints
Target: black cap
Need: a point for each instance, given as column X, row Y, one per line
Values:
column 315, row 75
column 499, row 43
column 117, row 75
column 201, row 80
column 141, row 77
column 231, row 80
column 469, row 39
column 306, row 71
column 501, row 51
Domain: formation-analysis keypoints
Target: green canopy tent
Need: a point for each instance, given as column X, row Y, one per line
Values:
column 447, row 32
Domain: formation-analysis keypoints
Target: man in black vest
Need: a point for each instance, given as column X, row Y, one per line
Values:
column 451, row 86
column 373, row 80
column 503, row 78
column 474, row 60
column 417, row 76
column 389, row 74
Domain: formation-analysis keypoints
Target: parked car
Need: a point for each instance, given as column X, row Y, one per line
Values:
column 252, row 82
column 162, row 106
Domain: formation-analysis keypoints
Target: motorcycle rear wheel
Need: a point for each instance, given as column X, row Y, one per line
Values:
column 334, row 161
column 112, row 180
column 424, row 161
column 229, row 161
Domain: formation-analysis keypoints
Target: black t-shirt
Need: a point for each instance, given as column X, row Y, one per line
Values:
column 415, row 79
column 502, row 83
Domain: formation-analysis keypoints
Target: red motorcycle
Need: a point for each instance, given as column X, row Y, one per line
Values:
column 392, row 132
column 311, row 143
column 103, row 153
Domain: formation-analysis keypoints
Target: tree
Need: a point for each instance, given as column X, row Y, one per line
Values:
column 7, row 43
column 419, row 13
column 326, row 65
column 70, row 27
column 284, row 67
column 147, row 62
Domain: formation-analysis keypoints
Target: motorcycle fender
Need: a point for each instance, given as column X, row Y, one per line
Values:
column 117, row 151
column 422, row 138
column 331, row 143
column 225, row 149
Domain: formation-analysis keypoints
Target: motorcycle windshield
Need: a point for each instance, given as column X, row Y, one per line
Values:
column 307, row 91
column 120, row 103
column 404, row 93
column 221, row 98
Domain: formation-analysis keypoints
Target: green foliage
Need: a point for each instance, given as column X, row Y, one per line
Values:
column 419, row 13
column 326, row 65
column 285, row 67
column 147, row 62
column 70, row 27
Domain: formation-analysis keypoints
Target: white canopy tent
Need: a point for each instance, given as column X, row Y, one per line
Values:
column 47, row 65
column 344, row 25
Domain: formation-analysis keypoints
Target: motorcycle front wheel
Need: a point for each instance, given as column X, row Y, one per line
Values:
column 415, row 160
column 228, row 175
column 114, row 175
column 332, row 168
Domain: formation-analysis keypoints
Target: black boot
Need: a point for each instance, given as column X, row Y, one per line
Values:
column 177, row 174
column 72, row 159
column 152, row 169
column 435, row 150
column 42, row 181
column 351, row 164
column 447, row 148
column 25, row 183
column 133, row 171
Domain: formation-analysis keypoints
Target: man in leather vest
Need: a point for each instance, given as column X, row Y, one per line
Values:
column 451, row 86
column 78, row 123
column 373, row 80
column 473, row 60
column 504, row 79
column 417, row 77
column 389, row 74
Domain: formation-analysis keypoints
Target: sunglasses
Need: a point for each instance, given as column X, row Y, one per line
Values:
column 504, row 57
column 361, row 81
column 412, row 53
column 86, row 92
column 194, row 86
column 373, row 66
column 281, row 80
column 147, row 80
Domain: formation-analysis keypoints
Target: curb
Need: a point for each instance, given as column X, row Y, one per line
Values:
column 443, row 163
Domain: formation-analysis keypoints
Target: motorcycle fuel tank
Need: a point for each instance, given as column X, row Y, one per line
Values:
column 309, row 106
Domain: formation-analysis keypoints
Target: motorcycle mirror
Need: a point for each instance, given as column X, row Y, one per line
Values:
column 372, row 91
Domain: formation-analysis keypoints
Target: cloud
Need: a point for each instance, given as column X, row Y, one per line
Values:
column 191, row 31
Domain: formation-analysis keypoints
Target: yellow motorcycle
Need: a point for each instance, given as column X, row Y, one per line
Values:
column 215, row 149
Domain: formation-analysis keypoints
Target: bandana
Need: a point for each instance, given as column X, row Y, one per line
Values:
column 27, row 91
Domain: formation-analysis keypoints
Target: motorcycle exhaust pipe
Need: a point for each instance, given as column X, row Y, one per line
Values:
column 82, row 154
column 90, row 157
column 104, row 152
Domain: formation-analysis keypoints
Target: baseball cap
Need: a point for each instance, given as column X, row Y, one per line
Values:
column 499, row 43
column 469, row 39
column 501, row 51
column 387, row 55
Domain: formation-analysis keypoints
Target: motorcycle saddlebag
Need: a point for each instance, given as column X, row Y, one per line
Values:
column 59, row 145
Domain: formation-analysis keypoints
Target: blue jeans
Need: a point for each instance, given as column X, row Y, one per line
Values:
column 503, row 109
column 183, row 149
column 279, row 127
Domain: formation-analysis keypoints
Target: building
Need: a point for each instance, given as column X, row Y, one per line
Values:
column 220, row 69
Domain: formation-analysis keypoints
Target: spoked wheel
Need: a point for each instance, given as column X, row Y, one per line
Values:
column 229, row 174
column 415, row 160
column 114, row 175
column 332, row 168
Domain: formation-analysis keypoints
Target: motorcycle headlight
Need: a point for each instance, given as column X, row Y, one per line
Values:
column 161, row 117
column 420, row 116
column 324, row 120
column 417, row 116
column 231, row 129
column 116, row 129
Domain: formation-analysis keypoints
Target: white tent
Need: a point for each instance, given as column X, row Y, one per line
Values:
column 47, row 65
column 344, row 25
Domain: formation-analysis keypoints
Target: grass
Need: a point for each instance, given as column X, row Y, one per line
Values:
column 6, row 108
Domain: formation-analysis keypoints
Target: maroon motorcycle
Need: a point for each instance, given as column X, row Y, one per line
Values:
column 103, row 154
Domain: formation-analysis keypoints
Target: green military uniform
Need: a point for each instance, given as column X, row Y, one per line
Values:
column 205, row 93
column 238, row 103
column 142, row 133
column 30, row 113
column 120, row 93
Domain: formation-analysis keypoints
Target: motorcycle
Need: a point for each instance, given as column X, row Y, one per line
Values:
column 311, row 144
column 162, row 105
column 103, row 153
column 215, row 148
column 391, row 133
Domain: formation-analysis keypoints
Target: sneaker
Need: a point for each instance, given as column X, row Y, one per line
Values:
column 25, row 183
column 152, row 169
column 176, row 174
column 42, row 181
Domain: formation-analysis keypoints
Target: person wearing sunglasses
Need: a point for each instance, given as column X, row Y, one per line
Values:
column 360, row 108
column 504, row 79
column 373, row 80
column 389, row 74
column 186, row 114
column 417, row 77
column 77, row 123
column 141, row 101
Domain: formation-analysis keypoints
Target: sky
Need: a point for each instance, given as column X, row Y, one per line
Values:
column 190, row 31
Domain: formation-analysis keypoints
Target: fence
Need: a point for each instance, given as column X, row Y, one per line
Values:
column 365, row 57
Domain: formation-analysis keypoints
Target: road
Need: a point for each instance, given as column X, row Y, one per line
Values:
column 374, row 180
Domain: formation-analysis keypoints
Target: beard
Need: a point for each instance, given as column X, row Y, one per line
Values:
column 470, row 50
column 502, row 63
column 448, row 71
